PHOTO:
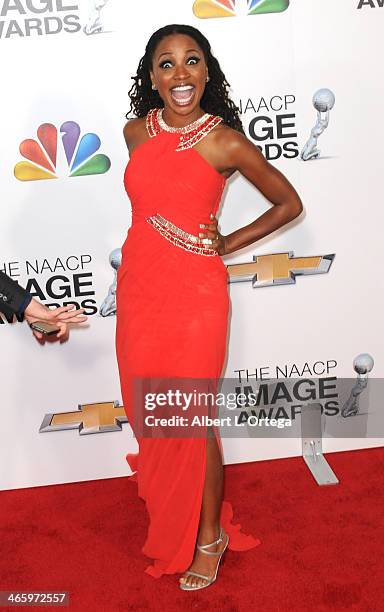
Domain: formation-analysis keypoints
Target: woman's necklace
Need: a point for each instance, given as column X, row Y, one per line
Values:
column 182, row 130
column 190, row 134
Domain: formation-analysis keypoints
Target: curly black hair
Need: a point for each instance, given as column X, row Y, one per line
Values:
column 215, row 99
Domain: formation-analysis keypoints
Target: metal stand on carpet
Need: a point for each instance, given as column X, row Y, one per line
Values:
column 311, row 437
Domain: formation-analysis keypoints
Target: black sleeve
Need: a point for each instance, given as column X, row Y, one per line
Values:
column 12, row 296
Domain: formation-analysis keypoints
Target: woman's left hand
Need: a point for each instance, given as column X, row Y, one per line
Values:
column 210, row 231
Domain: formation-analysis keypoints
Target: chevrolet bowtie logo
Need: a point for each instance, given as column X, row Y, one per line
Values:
column 88, row 419
column 278, row 268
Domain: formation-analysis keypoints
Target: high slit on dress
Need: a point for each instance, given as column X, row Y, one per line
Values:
column 172, row 318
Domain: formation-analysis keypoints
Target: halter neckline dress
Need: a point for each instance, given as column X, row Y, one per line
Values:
column 172, row 320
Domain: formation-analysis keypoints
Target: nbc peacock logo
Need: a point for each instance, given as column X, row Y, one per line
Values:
column 206, row 9
column 76, row 157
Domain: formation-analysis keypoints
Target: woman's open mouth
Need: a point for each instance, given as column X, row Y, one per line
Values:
column 183, row 94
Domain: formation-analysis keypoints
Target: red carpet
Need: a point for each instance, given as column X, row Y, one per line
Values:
column 322, row 547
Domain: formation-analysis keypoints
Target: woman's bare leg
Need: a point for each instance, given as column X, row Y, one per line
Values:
column 209, row 526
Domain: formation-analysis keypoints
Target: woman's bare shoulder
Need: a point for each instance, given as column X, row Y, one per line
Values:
column 133, row 130
column 227, row 136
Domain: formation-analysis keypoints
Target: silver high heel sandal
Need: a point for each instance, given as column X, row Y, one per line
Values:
column 202, row 548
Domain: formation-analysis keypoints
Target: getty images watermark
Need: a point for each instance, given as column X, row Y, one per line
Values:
column 187, row 402
column 271, row 408
column 192, row 407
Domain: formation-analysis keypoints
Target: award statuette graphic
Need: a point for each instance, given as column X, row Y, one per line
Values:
column 362, row 364
column 94, row 24
column 108, row 307
column 323, row 100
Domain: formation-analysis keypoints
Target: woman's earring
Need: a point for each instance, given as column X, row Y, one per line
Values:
column 207, row 79
column 153, row 86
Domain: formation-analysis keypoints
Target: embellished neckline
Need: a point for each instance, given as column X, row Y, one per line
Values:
column 188, row 138
column 183, row 129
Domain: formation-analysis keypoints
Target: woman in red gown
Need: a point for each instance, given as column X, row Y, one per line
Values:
column 172, row 287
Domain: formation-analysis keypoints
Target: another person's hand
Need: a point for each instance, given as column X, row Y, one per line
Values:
column 59, row 317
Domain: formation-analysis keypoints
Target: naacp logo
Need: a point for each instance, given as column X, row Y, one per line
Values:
column 370, row 4
column 31, row 18
column 206, row 9
column 42, row 154
column 24, row 18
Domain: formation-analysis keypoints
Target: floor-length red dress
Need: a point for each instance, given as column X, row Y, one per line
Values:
column 172, row 317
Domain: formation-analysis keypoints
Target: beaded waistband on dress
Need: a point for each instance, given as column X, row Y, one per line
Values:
column 179, row 237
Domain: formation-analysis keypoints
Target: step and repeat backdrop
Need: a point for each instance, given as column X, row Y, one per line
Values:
column 306, row 300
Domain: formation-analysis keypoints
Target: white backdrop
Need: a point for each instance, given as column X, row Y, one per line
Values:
column 84, row 78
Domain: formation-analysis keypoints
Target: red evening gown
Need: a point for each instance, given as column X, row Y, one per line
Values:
column 172, row 316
